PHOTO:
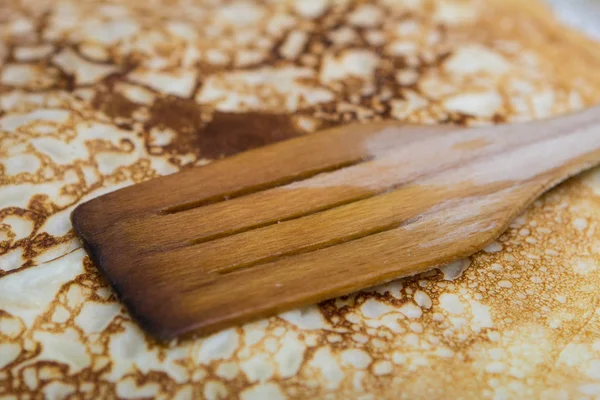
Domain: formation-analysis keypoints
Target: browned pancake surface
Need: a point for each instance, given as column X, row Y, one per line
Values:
column 96, row 95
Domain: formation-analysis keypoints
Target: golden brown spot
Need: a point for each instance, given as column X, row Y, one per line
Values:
column 114, row 104
column 219, row 134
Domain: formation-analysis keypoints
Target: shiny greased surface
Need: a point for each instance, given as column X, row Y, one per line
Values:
column 95, row 96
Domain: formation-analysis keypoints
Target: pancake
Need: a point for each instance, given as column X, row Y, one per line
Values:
column 97, row 95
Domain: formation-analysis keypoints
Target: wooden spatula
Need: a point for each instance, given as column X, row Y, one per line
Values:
column 320, row 216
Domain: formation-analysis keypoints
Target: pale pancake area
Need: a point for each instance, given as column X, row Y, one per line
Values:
column 98, row 95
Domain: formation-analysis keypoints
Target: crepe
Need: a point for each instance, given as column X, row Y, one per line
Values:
column 97, row 95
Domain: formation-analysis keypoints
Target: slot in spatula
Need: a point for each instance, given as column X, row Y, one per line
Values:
column 322, row 215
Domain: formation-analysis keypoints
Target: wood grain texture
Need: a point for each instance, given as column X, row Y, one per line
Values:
column 320, row 216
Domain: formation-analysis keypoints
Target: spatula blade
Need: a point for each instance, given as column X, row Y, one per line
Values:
column 320, row 216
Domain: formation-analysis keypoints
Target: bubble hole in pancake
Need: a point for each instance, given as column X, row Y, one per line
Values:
column 97, row 95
